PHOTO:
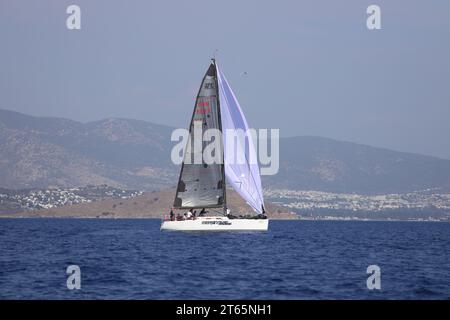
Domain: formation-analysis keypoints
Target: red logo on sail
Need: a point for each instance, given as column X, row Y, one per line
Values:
column 203, row 107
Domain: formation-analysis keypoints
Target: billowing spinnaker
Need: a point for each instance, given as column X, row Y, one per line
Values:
column 243, row 176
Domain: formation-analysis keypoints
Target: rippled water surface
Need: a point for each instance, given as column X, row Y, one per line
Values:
column 132, row 259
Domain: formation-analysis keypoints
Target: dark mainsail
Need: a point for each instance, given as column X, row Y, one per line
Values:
column 202, row 185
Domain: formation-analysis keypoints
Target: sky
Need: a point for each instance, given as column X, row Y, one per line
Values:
column 305, row 67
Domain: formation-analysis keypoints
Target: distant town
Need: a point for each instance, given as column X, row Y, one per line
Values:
column 426, row 204
column 26, row 200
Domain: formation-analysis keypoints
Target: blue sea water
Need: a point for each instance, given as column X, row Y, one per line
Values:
column 133, row 259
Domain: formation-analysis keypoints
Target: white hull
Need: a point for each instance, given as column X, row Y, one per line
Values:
column 216, row 224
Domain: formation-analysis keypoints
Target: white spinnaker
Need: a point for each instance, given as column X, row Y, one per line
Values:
column 243, row 177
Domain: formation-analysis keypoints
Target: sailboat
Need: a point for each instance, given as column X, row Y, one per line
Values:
column 203, row 186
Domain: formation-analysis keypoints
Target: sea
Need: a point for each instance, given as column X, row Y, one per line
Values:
column 133, row 259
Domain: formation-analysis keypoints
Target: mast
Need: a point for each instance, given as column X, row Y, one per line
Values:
column 224, row 185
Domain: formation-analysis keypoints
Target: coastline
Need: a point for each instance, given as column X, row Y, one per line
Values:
column 298, row 218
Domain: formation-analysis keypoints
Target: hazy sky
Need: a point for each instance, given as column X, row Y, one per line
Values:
column 312, row 67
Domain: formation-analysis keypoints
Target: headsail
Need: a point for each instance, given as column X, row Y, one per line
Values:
column 200, row 184
column 243, row 176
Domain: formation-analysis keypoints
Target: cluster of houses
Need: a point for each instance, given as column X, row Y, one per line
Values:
column 56, row 197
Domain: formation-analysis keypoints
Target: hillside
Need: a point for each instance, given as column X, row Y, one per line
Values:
column 133, row 154
column 54, row 152
column 315, row 163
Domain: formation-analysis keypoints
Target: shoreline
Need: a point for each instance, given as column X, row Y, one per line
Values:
column 274, row 219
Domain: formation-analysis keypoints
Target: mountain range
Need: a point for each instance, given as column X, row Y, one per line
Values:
column 42, row 152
